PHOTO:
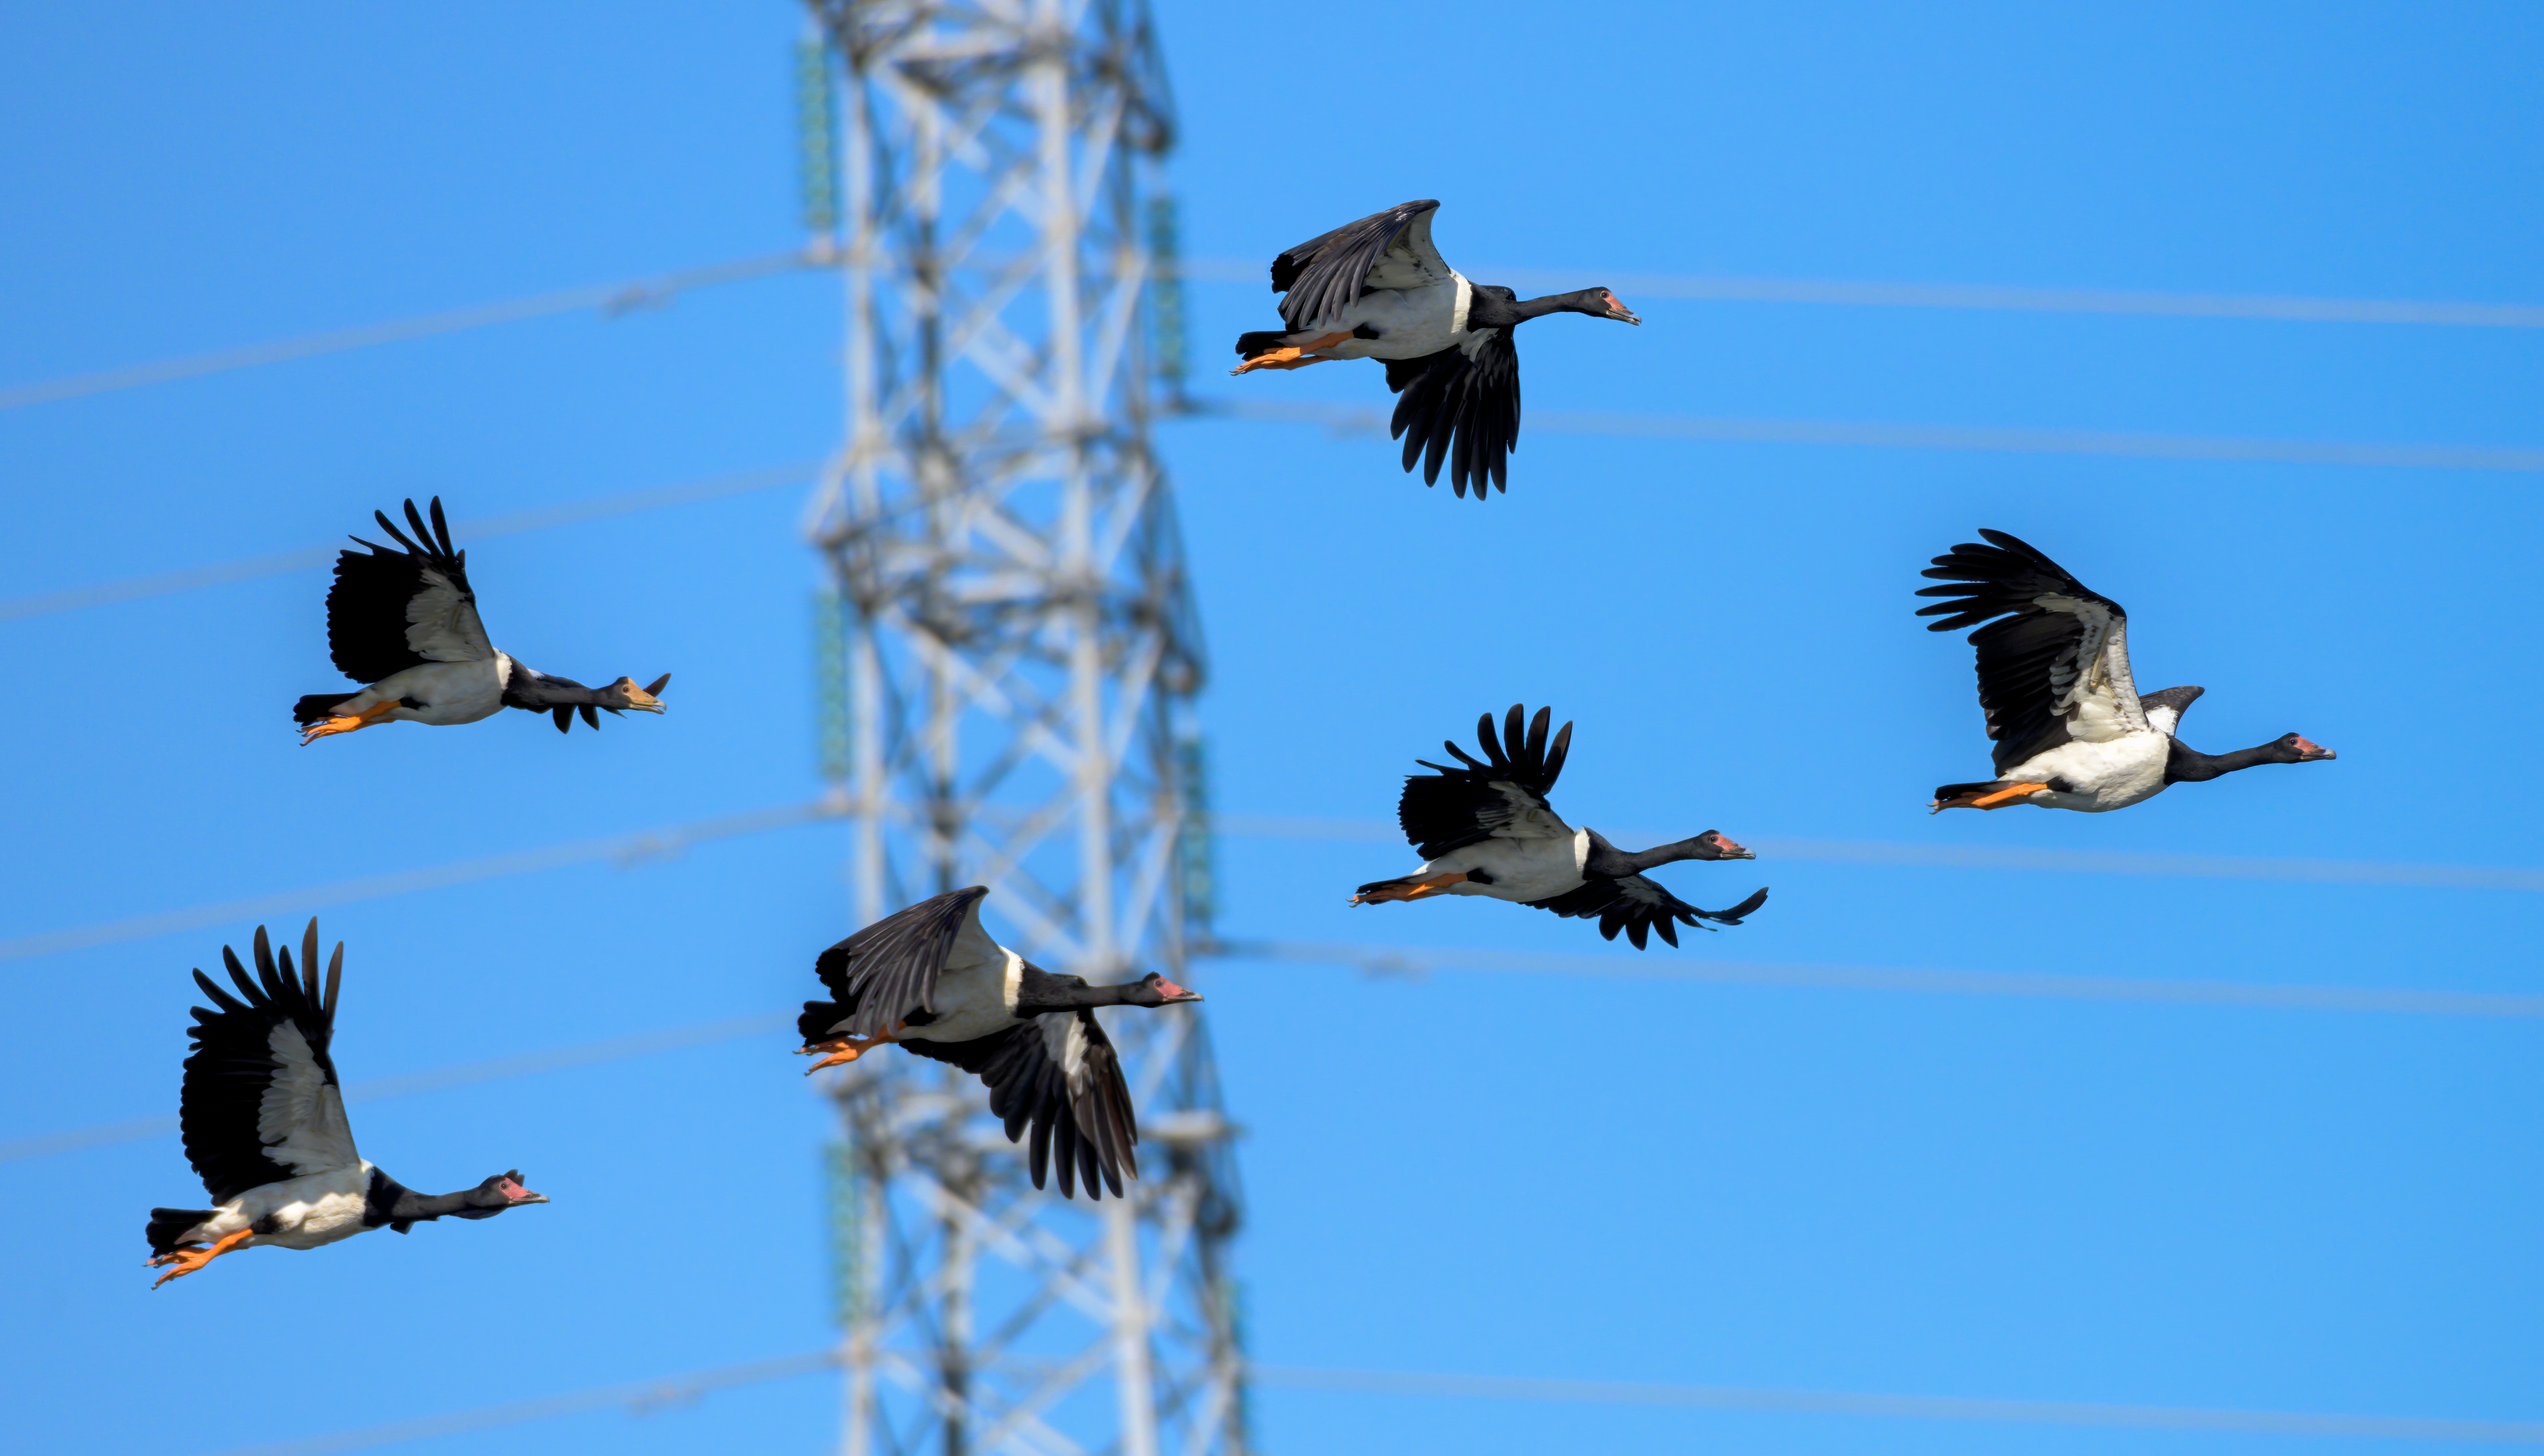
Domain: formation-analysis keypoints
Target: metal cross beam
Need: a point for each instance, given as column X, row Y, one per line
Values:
column 1014, row 659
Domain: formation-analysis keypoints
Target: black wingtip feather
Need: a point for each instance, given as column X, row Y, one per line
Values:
column 1738, row 912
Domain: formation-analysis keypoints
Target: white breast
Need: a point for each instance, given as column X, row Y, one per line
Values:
column 451, row 692
column 2104, row 774
column 1522, row 869
column 319, row 1210
column 975, row 998
column 1410, row 322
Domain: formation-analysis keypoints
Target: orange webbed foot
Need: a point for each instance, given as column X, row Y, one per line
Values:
column 183, row 1262
column 1998, row 798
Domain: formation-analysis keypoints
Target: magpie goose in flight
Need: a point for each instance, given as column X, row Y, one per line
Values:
column 264, row 1121
column 1486, row 829
column 406, row 623
column 1377, row 289
column 2070, row 726
column 931, row 980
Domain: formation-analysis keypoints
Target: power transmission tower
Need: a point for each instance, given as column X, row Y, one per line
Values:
column 1011, row 662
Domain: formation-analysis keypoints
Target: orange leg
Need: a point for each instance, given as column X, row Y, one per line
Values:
column 194, row 1256
column 346, row 724
column 845, row 1049
column 1292, row 356
column 1436, row 885
column 1994, row 799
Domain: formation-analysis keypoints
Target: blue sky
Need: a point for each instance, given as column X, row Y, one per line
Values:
column 1494, row 1175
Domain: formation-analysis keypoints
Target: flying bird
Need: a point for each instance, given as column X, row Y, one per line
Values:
column 1487, row 829
column 931, row 981
column 2070, row 729
column 264, row 1121
column 1377, row 289
column 406, row 623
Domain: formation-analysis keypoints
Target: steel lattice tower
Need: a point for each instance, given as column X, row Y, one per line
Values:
column 1013, row 658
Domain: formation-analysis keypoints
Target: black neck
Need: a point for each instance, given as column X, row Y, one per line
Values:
column 528, row 688
column 1039, row 991
column 2185, row 765
column 389, row 1201
column 1607, row 859
column 1489, row 310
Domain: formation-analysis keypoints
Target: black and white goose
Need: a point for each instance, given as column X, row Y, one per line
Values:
column 406, row 623
column 931, row 981
column 264, row 1121
column 1486, row 829
column 2070, row 726
column 1377, row 289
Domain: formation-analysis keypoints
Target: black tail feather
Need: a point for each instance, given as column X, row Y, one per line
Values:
column 169, row 1226
column 1955, row 790
column 316, row 708
column 1256, row 343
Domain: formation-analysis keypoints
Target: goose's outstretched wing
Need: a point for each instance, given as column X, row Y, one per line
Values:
column 2057, row 666
column 888, row 969
column 1058, row 1074
column 1460, row 408
column 391, row 610
column 1639, row 907
column 1503, row 799
column 1322, row 276
column 260, row 1101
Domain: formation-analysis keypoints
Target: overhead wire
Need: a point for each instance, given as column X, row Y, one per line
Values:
column 609, row 299
column 436, row 1079
column 1359, row 420
column 644, row 1397
column 671, row 839
column 655, row 289
column 1352, row 418
column 1988, row 857
column 309, row 557
column 1416, row 961
column 1989, row 297
column 620, row 848
column 1382, row 961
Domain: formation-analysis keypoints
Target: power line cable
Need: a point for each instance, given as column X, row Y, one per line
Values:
column 646, row 1395
column 618, row 299
column 671, row 839
column 1358, row 420
column 1986, row 857
column 1922, row 1408
column 609, row 300
column 309, row 557
column 1990, row 297
column 435, row 1079
column 638, row 1398
column 620, row 848
column 1416, row 963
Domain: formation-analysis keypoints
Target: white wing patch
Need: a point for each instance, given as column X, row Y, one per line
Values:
column 1064, row 1040
column 1411, row 262
column 443, row 625
column 2092, row 689
column 1529, row 819
column 301, row 1119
